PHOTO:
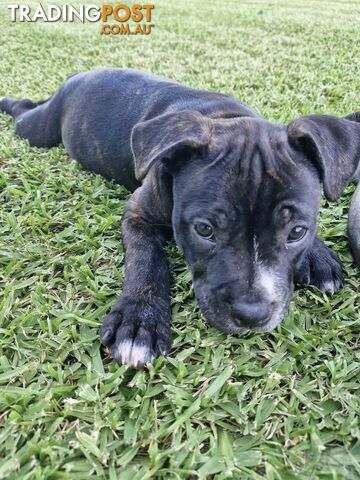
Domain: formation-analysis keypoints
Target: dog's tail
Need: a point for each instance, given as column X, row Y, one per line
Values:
column 354, row 222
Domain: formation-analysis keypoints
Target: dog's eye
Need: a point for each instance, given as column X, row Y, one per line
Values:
column 296, row 234
column 204, row 229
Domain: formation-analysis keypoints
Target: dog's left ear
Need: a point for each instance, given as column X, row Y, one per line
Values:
column 171, row 138
column 332, row 144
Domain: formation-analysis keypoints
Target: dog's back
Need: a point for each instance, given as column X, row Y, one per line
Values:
column 93, row 114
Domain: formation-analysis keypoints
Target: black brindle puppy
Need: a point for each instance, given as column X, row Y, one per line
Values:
column 239, row 194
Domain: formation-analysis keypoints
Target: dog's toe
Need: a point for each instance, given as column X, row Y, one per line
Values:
column 6, row 104
column 327, row 273
column 137, row 331
column 110, row 326
column 132, row 353
column 134, row 345
column 331, row 281
column 321, row 268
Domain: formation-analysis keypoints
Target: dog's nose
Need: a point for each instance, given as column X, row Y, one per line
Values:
column 250, row 314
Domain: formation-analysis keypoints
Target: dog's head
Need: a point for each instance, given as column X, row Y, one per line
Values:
column 246, row 197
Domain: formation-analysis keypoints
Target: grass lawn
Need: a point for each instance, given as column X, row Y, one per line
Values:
column 274, row 406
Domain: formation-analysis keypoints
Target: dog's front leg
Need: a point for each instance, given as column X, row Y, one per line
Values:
column 320, row 267
column 137, row 329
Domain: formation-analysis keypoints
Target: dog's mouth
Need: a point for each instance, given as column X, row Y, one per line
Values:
column 238, row 315
column 228, row 324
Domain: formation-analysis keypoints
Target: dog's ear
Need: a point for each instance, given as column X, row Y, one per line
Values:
column 171, row 138
column 332, row 144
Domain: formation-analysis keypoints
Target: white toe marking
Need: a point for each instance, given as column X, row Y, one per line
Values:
column 133, row 355
column 328, row 287
column 140, row 355
column 124, row 350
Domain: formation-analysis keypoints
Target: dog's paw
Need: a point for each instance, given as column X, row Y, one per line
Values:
column 137, row 330
column 6, row 104
column 321, row 268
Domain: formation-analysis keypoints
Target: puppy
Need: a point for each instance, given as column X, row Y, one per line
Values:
column 239, row 194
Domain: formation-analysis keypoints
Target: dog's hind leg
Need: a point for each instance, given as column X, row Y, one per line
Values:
column 38, row 122
column 15, row 107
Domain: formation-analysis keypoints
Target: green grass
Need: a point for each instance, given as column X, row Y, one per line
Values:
column 274, row 406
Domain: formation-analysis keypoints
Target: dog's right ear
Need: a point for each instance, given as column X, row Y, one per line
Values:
column 171, row 138
column 332, row 144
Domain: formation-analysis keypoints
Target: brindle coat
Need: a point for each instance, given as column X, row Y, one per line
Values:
column 239, row 194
